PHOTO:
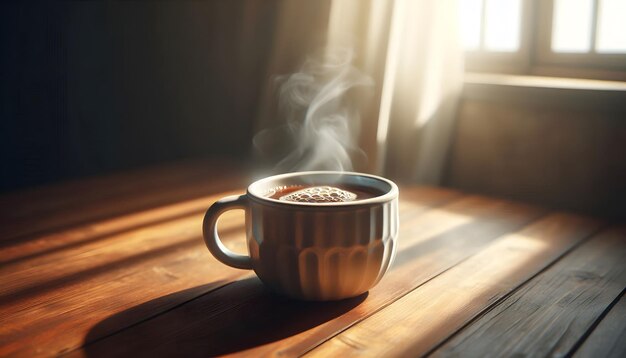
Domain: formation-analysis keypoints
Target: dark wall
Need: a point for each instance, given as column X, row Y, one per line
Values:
column 89, row 88
column 561, row 148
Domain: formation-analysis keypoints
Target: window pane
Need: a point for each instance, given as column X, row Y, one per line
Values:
column 470, row 13
column 502, row 25
column 571, row 25
column 611, row 26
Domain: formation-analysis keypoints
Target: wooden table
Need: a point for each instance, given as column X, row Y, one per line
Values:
column 115, row 266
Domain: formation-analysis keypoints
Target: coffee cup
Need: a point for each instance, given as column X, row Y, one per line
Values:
column 319, row 235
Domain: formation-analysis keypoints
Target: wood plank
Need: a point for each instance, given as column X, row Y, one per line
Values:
column 83, row 243
column 98, row 230
column 243, row 318
column 49, row 302
column 44, row 317
column 425, row 317
column 52, row 197
column 38, row 272
column 549, row 314
column 101, row 230
column 34, row 292
column 43, row 210
column 608, row 339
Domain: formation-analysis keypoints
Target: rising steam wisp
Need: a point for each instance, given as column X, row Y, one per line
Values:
column 320, row 104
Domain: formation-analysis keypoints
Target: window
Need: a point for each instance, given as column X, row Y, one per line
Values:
column 574, row 38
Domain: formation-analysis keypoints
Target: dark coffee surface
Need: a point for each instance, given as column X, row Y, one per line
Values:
column 323, row 193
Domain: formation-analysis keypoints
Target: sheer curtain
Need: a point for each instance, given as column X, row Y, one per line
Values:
column 410, row 49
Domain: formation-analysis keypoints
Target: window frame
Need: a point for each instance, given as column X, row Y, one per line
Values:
column 518, row 62
column 535, row 56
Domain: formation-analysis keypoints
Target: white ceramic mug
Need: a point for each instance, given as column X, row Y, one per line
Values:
column 313, row 251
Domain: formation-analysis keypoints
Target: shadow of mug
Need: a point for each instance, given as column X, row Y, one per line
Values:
column 238, row 316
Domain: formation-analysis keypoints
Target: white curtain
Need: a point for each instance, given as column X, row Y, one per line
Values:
column 411, row 50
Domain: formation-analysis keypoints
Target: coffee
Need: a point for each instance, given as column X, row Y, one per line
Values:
column 322, row 193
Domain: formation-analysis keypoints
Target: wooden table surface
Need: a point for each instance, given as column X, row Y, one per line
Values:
column 115, row 266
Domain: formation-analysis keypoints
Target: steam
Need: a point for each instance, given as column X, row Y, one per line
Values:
column 320, row 105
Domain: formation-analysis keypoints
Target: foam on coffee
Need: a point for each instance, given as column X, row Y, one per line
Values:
column 319, row 194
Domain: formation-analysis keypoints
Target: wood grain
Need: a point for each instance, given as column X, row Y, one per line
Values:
column 242, row 318
column 67, row 240
column 608, row 339
column 51, row 309
column 51, row 300
column 548, row 315
column 417, row 322
column 43, row 210
column 86, row 272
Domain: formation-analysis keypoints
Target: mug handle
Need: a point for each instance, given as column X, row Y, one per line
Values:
column 212, row 239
